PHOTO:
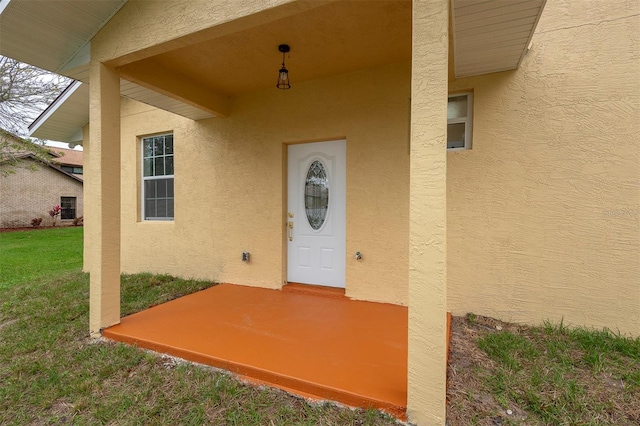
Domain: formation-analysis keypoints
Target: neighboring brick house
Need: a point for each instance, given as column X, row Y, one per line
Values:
column 31, row 188
column 69, row 160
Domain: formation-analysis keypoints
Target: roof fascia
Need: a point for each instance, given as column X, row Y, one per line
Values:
column 51, row 109
column 3, row 5
column 36, row 159
column 57, row 169
column 535, row 25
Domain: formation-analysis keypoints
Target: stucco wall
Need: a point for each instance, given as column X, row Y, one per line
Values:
column 542, row 214
column 198, row 20
column 544, row 211
column 427, row 296
column 229, row 181
column 32, row 191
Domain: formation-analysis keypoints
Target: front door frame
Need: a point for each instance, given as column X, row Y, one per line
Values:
column 286, row 218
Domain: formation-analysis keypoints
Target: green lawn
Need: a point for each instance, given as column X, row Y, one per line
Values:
column 27, row 256
column 51, row 372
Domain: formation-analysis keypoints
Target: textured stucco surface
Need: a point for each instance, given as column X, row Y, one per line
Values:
column 544, row 211
column 540, row 220
column 229, row 181
column 88, row 234
column 426, row 388
column 102, row 192
column 143, row 28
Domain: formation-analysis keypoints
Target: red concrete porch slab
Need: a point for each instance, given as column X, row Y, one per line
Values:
column 325, row 347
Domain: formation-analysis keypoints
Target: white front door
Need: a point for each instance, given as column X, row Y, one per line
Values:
column 316, row 219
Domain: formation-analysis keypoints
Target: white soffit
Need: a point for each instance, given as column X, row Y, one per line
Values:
column 64, row 119
column 492, row 35
column 158, row 100
column 488, row 36
column 53, row 35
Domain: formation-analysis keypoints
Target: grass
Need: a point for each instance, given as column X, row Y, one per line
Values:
column 551, row 375
column 51, row 371
column 27, row 256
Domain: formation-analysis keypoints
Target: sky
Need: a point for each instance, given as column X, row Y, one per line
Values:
column 45, row 76
column 62, row 145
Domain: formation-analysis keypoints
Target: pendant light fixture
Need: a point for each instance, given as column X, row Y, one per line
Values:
column 283, row 74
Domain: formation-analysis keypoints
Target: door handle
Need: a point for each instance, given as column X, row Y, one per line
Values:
column 290, row 230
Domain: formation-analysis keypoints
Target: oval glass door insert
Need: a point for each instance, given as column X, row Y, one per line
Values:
column 316, row 195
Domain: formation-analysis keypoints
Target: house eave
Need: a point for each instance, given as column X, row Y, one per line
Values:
column 46, row 34
column 64, row 119
column 492, row 36
column 52, row 166
column 487, row 37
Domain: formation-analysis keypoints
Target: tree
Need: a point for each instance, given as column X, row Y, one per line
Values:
column 14, row 150
column 25, row 91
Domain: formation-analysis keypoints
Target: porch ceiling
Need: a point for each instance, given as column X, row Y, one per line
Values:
column 336, row 38
column 339, row 37
column 195, row 80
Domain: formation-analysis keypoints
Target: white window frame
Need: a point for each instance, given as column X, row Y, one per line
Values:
column 467, row 120
column 149, row 178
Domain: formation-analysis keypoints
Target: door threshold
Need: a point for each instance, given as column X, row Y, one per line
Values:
column 318, row 290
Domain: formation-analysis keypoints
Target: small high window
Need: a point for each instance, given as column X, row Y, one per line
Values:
column 67, row 207
column 75, row 170
column 157, row 177
column 459, row 121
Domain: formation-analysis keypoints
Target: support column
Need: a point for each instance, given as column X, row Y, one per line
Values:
column 86, row 186
column 103, row 198
column 426, row 399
